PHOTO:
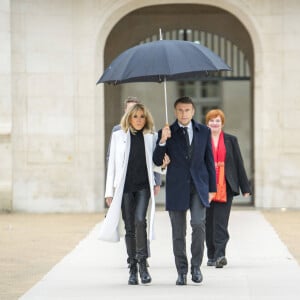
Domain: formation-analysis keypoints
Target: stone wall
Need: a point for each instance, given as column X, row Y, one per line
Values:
column 52, row 115
column 55, row 110
column 5, row 107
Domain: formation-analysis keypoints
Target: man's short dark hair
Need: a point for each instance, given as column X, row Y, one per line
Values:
column 185, row 100
column 131, row 99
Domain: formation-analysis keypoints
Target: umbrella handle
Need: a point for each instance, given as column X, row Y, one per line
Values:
column 160, row 34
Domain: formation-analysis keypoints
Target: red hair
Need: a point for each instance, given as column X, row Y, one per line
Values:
column 213, row 114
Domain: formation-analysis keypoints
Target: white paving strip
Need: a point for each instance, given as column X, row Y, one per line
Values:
column 259, row 267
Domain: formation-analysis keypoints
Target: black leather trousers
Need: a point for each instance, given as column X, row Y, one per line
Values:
column 134, row 209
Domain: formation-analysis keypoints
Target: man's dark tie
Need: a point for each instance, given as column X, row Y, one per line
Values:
column 187, row 139
column 186, row 135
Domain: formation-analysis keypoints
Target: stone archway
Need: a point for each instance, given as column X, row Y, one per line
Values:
column 152, row 17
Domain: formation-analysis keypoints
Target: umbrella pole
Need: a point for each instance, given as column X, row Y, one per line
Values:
column 165, row 86
column 166, row 101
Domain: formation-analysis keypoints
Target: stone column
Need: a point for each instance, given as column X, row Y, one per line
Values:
column 5, row 108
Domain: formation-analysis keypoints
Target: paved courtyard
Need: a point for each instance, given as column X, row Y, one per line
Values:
column 260, row 267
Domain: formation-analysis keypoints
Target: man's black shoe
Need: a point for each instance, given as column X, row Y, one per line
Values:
column 196, row 275
column 181, row 280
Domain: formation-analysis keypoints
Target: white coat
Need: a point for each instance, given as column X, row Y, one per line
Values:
column 115, row 180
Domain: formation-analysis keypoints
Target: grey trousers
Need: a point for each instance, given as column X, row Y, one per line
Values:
column 178, row 222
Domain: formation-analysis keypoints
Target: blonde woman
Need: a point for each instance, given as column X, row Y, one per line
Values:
column 131, row 187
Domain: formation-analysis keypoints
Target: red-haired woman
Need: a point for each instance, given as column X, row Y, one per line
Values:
column 231, row 178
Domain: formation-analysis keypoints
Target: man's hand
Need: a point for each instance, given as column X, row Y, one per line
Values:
column 108, row 201
column 165, row 134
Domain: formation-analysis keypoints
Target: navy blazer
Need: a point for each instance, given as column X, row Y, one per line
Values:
column 235, row 173
column 200, row 168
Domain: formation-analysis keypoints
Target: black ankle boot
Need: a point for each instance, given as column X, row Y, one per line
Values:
column 133, row 277
column 144, row 274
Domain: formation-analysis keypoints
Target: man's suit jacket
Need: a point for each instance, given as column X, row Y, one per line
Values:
column 235, row 173
column 181, row 170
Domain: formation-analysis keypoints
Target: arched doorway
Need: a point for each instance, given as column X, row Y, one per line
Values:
column 233, row 94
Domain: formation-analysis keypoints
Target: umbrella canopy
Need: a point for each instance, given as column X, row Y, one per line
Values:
column 163, row 60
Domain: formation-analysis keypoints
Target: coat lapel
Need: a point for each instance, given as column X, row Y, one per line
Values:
column 196, row 138
column 177, row 134
column 227, row 146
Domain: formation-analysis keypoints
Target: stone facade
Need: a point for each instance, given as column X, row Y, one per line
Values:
column 53, row 121
column 5, row 107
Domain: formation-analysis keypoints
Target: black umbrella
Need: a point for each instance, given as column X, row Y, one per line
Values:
column 161, row 61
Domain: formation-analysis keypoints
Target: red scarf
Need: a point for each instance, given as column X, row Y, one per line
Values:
column 219, row 158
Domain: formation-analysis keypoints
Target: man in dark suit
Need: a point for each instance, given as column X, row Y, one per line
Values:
column 190, row 183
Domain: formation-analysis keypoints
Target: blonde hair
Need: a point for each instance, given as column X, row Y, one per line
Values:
column 213, row 114
column 149, row 124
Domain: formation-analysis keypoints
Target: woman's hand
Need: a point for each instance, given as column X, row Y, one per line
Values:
column 108, row 201
column 156, row 189
column 211, row 196
column 166, row 161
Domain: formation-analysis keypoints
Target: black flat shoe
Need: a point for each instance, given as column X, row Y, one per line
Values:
column 211, row 262
column 181, row 280
column 221, row 262
column 196, row 275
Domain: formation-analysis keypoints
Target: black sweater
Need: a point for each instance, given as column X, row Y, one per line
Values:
column 137, row 175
